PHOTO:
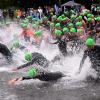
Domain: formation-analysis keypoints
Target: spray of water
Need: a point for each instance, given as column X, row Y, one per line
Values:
column 69, row 65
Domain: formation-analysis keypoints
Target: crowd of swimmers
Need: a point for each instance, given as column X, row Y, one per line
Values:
column 81, row 29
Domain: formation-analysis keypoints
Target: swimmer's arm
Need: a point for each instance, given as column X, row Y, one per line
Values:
column 25, row 65
column 82, row 62
column 28, row 77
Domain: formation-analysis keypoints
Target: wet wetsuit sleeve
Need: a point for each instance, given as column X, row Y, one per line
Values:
column 28, row 77
column 25, row 65
column 82, row 61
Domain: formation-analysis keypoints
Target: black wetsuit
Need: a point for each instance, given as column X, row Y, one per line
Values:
column 38, row 59
column 43, row 75
column 48, row 76
column 94, row 55
column 6, row 52
column 62, row 44
column 97, row 27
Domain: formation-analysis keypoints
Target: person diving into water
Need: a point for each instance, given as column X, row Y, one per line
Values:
column 40, row 72
column 34, row 58
column 62, row 45
column 93, row 52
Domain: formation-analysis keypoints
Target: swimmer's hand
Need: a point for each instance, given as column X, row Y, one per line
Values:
column 14, row 69
column 12, row 82
column 15, row 81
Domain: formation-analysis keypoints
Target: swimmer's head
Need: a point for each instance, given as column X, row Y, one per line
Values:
column 58, row 32
column 28, row 56
column 79, row 24
column 32, row 72
column 90, row 43
column 98, row 18
column 65, row 29
column 73, row 30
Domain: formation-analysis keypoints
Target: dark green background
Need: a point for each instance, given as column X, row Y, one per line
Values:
column 36, row 3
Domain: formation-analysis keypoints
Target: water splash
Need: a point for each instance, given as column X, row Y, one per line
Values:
column 69, row 65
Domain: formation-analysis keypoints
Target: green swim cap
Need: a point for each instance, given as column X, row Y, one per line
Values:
column 88, row 11
column 79, row 18
column 89, row 15
column 73, row 30
column 85, row 13
column 29, row 17
column 32, row 72
column 57, row 25
column 39, row 21
column 62, row 15
column 89, row 42
column 65, row 29
column 38, row 33
column 73, row 17
column 24, row 25
column 34, row 25
column 79, row 31
column 45, row 18
column 64, row 19
column 59, row 18
column 82, row 14
column 16, row 44
column 89, row 19
column 54, row 17
column 26, row 21
column 70, row 25
column 98, row 18
column 66, row 12
column 28, row 56
column 52, row 24
column 79, row 24
column 58, row 32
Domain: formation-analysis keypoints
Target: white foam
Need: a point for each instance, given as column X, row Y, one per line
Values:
column 5, row 69
column 69, row 66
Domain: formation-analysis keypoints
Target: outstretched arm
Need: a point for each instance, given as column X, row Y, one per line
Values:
column 16, row 80
column 25, row 65
column 82, row 62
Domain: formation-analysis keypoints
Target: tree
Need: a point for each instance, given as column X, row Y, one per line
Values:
column 6, row 3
